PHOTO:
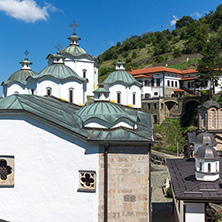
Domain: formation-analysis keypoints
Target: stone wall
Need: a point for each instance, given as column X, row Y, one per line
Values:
column 128, row 184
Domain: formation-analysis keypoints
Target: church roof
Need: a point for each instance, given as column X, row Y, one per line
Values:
column 20, row 77
column 207, row 153
column 185, row 185
column 210, row 103
column 73, row 50
column 121, row 76
column 59, row 71
column 205, row 138
column 63, row 114
column 105, row 111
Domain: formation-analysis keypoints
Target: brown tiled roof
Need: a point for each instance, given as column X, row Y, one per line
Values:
column 186, row 187
column 189, row 71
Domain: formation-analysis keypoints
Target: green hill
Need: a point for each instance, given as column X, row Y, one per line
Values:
column 159, row 48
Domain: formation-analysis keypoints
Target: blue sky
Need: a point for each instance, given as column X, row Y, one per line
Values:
column 39, row 25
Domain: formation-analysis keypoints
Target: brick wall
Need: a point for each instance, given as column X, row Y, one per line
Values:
column 128, row 184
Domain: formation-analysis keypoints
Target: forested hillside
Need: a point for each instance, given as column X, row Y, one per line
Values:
column 190, row 36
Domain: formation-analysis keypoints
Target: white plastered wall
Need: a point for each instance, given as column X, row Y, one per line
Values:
column 85, row 63
column 13, row 88
column 195, row 212
column 47, row 162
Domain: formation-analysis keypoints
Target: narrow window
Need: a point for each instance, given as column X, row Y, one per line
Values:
column 158, row 82
column 152, row 82
column 71, row 95
column 209, row 167
column 84, row 73
column 148, row 105
column 32, row 90
column 155, row 118
column 154, row 105
column 134, row 98
column 168, row 82
column 201, row 166
column 188, row 85
column 48, row 91
column 118, row 97
column 216, row 82
column 175, row 84
column 172, row 83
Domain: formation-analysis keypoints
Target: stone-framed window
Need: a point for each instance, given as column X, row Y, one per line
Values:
column 6, row 171
column 87, row 181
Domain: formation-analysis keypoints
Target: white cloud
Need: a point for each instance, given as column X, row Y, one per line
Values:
column 173, row 22
column 195, row 15
column 26, row 10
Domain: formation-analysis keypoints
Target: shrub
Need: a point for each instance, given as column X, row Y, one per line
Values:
column 157, row 148
column 169, row 192
column 204, row 92
column 172, row 149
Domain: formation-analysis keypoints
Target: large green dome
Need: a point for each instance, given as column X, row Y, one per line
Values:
column 73, row 50
column 105, row 111
column 121, row 76
column 59, row 71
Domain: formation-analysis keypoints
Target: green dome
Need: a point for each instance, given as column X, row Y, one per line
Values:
column 105, row 111
column 121, row 76
column 59, row 71
column 20, row 76
column 73, row 50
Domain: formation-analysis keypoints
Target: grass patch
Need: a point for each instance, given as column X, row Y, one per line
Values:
column 191, row 64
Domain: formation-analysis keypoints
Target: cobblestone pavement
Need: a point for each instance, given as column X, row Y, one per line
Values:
column 161, row 206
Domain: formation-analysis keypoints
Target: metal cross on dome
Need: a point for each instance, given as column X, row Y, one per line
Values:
column 74, row 25
column 58, row 46
column 26, row 53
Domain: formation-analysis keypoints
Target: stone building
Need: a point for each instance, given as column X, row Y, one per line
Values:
column 64, row 162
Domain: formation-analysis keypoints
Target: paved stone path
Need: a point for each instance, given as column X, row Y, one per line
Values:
column 162, row 206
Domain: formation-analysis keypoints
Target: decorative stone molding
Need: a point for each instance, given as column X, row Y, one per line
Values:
column 6, row 171
column 87, row 181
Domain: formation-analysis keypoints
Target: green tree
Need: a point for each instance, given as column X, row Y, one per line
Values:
column 184, row 21
column 210, row 65
column 177, row 53
column 134, row 55
column 216, row 19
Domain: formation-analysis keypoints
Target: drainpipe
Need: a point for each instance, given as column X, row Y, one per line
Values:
column 106, row 147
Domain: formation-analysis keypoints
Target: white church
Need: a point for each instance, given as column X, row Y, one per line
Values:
column 72, row 75
column 63, row 159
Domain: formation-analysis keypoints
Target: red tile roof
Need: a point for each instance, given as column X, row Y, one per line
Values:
column 189, row 78
column 154, row 70
column 178, row 90
column 189, row 71
column 142, row 76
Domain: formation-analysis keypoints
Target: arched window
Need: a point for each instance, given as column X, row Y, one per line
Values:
column 214, row 119
column 32, row 91
column 118, row 97
column 134, row 98
column 155, row 118
column 209, row 167
column 201, row 166
column 71, row 92
column 16, row 92
column 84, row 73
column 220, row 119
column 48, row 91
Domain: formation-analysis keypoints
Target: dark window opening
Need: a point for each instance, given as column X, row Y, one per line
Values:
column 158, row 82
column 71, row 95
column 154, row 105
column 48, row 91
column 118, row 97
column 172, row 83
column 152, row 82
column 168, row 82
column 134, row 98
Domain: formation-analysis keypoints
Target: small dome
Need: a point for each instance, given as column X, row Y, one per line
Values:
column 211, row 103
column 73, row 50
column 21, row 75
column 205, row 139
column 107, row 112
column 121, row 76
column 207, row 153
column 59, row 71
